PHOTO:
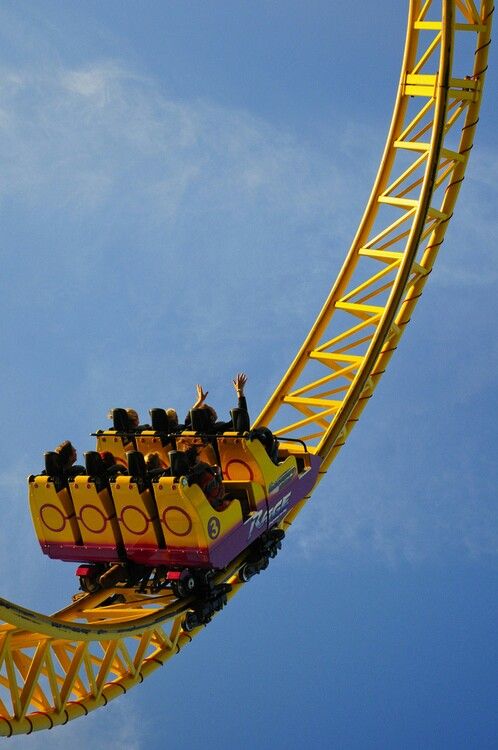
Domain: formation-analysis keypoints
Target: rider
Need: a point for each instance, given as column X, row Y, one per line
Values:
column 173, row 420
column 113, row 468
column 155, row 467
column 68, row 457
column 207, row 477
column 134, row 421
column 218, row 427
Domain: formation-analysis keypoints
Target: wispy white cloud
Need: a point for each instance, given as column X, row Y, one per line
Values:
column 372, row 520
column 136, row 192
column 404, row 493
column 220, row 188
column 195, row 190
column 86, row 133
column 115, row 727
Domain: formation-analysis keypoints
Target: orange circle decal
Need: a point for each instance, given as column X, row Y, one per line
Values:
column 237, row 469
column 134, row 519
column 93, row 519
column 177, row 521
column 52, row 517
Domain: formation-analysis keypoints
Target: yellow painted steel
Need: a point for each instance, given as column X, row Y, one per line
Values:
column 55, row 669
column 109, row 440
column 324, row 391
column 95, row 513
column 185, row 515
column 53, row 512
column 148, row 442
column 136, row 514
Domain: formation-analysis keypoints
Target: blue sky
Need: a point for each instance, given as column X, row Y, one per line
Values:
column 180, row 183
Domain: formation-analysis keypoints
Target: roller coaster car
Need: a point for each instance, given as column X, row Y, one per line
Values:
column 168, row 524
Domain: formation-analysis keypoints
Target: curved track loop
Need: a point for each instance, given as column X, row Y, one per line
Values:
column 54, row 669
column 436, row 111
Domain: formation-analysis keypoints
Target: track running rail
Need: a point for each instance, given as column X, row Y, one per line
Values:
column 54, row 669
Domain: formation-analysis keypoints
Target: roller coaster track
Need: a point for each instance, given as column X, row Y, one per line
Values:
column 54, row 669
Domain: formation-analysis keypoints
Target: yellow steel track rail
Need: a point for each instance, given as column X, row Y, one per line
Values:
column 335, row 372
column 54, row 669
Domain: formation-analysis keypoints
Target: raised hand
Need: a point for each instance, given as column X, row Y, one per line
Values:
column 239, row 383
column 201, row 396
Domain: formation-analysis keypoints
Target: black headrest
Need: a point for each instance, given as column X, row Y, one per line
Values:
column 53, row 464
column 136, row 466
column 95, row 466
column 268, row 440
column 201, row 420
column 120, row 420
column 179, row 463
column 160, row 421
column 240, row 420
column 264, row 435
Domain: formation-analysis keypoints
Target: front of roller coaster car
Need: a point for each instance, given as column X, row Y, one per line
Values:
column 169, row 523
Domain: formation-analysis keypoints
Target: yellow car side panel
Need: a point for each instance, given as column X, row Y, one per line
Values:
column 149, row 442
column 270, row 472
column 206, row 450
column 136, row 514
column 53, row 513
column 185, row 514
column 109, row 441
column 255, row 492
column 95, row 513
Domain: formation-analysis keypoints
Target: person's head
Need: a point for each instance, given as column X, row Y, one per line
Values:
column 108, row 459
column 67, row 453
column 191, row 455
column 212, row 412
column 172, row 416
column 133, row 418
column 153, row 460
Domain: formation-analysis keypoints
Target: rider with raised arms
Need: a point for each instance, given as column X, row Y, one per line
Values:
column 217, row 426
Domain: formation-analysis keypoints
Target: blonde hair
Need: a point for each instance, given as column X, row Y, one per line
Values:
column 65, row 451
column 172, row 414
column 153, row 460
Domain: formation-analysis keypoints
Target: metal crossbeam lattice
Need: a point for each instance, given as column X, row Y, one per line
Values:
column 398, row 238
